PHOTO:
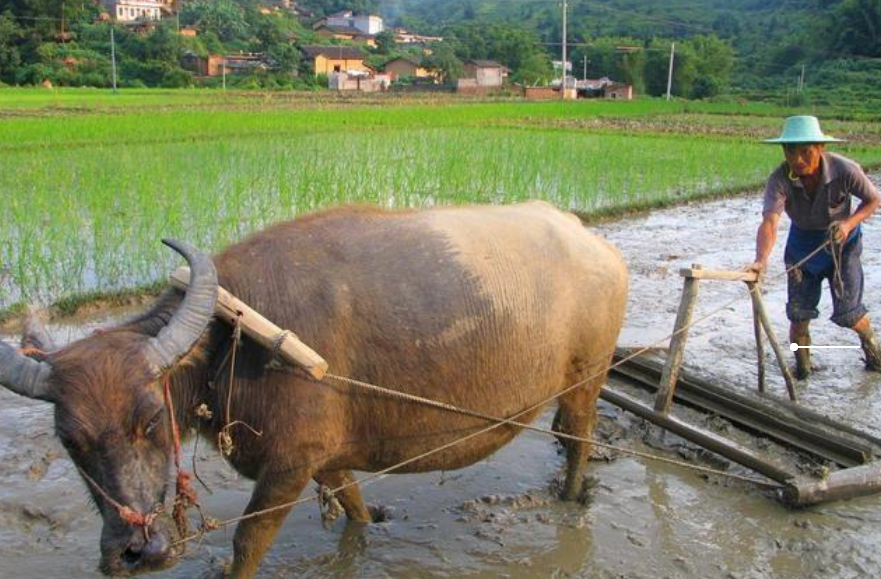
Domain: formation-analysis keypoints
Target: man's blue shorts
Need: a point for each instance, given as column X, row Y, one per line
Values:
column 804, row 288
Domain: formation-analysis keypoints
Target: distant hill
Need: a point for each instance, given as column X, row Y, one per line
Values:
column 772, row 39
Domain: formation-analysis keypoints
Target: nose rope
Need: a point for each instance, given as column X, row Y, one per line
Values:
column 131, row 516
column 185, row 494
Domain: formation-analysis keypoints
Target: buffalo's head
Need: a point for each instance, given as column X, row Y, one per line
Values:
column 111, row 417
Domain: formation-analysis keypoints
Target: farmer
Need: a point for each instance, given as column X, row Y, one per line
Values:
column 815, row 189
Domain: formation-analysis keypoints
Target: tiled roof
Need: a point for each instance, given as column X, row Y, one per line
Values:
column 347, row 52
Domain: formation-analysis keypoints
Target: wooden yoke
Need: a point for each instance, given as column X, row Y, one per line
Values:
column 285, row 343
column 670, row 373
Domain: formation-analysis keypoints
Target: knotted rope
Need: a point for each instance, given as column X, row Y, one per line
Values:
column 185, row 494
column 836, row 248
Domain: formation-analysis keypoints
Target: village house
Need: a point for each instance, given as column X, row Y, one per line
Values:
column 603, row 88
column 330, row 59
column 301, row 12
column 366, row 23
column 359, row 81
column 218, row 64
column 403, row 67
column 404, row 36
column 618, row 91
column 346, row 33
column 482, row 75
column 134, row 10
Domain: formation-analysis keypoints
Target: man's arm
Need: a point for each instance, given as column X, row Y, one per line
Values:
column 766, row 236
column 869, row 202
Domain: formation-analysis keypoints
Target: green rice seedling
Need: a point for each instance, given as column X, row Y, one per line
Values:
column 89, row 198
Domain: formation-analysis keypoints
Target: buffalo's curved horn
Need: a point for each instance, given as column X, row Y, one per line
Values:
column 35, row 334
column 23, row 375
column 191, row 317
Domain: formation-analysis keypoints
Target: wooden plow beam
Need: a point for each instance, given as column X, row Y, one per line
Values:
column 776, row 418
column 233, row 310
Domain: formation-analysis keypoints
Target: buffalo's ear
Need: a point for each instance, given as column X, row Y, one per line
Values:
column 35, row 340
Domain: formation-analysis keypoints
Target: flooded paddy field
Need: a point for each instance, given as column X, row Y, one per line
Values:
column 499, row 518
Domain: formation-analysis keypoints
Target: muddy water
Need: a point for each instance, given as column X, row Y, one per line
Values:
column 498, row 518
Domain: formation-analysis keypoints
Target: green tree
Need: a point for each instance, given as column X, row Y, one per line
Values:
column 385, row 42
column 444, row 60
column 657, row 64
column 631, row 69
column 536, row 69
column 713, row 62
column 509, row 45
column 325, row 7
column 10, row 57
column 285, row 58
column 224, row 18
column 857, row 26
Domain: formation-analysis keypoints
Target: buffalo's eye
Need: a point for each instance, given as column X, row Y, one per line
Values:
column 154, row 422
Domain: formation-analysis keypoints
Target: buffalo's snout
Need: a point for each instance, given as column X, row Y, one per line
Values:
column 147, row 553
column 137, row 553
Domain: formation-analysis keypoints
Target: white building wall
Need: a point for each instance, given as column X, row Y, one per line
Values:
column 366, row 24
column 129, row 10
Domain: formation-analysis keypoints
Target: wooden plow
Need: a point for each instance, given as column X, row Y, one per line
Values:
column 852, row 451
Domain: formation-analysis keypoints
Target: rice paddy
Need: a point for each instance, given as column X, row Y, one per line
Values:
column 88, row 191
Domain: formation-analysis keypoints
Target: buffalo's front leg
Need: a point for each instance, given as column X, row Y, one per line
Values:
column 255, row 535
column 350, row 497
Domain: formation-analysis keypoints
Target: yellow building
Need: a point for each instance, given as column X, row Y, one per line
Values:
column 330, row 59
column 407, row 67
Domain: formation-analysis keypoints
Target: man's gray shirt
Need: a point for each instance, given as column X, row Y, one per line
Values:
column 841, row 179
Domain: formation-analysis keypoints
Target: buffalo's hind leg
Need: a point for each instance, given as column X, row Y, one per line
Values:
column 350, row 497
column 255, row 535
column 577, row 415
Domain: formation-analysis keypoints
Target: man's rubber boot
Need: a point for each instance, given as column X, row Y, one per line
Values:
column 871, row 344
column 799, row 333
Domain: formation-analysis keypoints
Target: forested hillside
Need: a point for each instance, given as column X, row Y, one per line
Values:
column 838, row 42
column 758, row 48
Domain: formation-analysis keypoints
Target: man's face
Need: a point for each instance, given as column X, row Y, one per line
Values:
column 803, row 160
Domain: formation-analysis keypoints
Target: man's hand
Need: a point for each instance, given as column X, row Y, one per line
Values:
column 839, row 231
column 757, row 266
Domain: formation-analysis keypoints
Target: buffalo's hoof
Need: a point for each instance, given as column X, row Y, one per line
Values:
column 219, row 569
column 381, row 513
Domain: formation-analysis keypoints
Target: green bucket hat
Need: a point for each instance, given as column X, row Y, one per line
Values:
column 802, row 129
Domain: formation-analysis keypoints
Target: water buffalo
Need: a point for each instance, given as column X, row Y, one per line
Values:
column 489, row 308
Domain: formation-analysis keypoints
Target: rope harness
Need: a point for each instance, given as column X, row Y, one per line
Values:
column 836, row 248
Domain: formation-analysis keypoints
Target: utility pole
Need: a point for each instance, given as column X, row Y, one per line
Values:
column 801, row 80
column 670, row 70
column 223, row 70
column 584, row 73
column 563, row 85
column 113, row 57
